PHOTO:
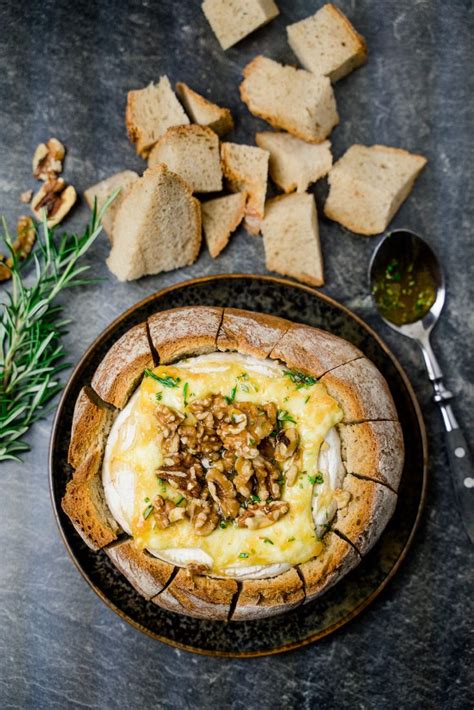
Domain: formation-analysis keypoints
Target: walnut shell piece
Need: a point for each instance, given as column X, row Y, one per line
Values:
column 48, row 160
column 56, row 198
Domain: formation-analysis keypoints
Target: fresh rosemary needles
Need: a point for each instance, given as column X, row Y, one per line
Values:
column 32, row 325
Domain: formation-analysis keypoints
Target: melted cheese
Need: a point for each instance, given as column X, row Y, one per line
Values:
column 133, row 454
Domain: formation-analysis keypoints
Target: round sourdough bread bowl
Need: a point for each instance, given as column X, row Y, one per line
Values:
column 312, row 364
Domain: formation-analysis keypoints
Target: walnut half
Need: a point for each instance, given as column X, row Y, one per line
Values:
column 56, row 198
column 48, row 160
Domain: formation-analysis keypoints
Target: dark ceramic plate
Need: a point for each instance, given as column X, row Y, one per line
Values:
column 353, row 593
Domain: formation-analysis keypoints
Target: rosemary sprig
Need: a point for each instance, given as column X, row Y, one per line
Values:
column 31, row 327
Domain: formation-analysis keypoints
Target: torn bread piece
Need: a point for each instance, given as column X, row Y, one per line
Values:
column 246, row 170
column 85, row 505
column 250, row 333
column 198, row 596
column 291, row 238
column 313, row 351
column 122, row 368
column 232, row 20
column 293, row 99
column 294, row 164
column 150, row 112
column 320, row 573
column 261, row 598
column 370, row 507
column 372, row 450
column 327, row 43
column 368, row 185
column 192, row 152
column 91, row 424
column 361, row 391
column 156, row 228
column 221, row 217
column 147, row 574
column 184, row 331
column 204, row 112
column 103, row 189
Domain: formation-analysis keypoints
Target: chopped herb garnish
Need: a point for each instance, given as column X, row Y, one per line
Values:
column 178, row 502
column 243, row 376
column 283, row 416
column 307, row 399
column 232, row 395
column 255, row 499
column 185, row 393
column 245, row 388
column 167, row 381
column 291, row 539
column 159, row 396
column 252, row 442
column 281, row 480
column 316, row 479
column 148, row 511
column 243, row 555
column 268, row 541
column 147, row 500
column 223, row 524
column 300, row 379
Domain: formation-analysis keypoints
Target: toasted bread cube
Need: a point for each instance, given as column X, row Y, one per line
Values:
column 150, row 112
column 204, row 112
column 246, row 170
column 368, row 185
column 220, row 217
column 192, row 152
column 326, row 43
column 291, row 238
column 102, row 190
column 295, row 100
column 294, row 164
column 232, row 20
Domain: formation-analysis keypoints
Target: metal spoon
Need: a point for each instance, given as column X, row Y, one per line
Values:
column 410, row 248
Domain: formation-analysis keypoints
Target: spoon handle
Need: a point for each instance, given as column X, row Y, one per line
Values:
column 460, row 460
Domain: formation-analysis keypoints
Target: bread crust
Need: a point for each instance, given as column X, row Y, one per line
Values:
column 261, row 598
column 361, row 391
column 91, row 425
column 322, row 572
column 250, row 333
column 84, row 503
column 370, row 508
column 184, row 331
column 373, row 450
column 147, row 574
column 122, row 368
column 223, row 122
column 313, row 351
column 198, row 596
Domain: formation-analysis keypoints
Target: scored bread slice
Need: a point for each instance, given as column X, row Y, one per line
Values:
column 291, row 238
column 220, row 217
column 122, row 367
column 232, row 20
column 335, row 560
column 192, row 152
column 102, row 190
column 147, row 574
column 294, row 164
column 157, row 227
column 373, row 450
column 150, row 112
column 261, row 598
column 327, row 43
column 204, row 112
column 184, row 331
column 368, row 185
column 91, row 424
column 199, row 596
column 250, row 333
column 293, row 99
column 246, row 170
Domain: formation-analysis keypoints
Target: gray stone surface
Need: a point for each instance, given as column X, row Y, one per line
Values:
column 64, row 71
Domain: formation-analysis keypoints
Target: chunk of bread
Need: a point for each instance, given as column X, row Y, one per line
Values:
column 102, row 190
column 295, row 100
column 294, row 164
column 232, row 20
column 220, row 217
column 326, row 43
column 368, row 185
column 157, row 227
column 204, row 112
column 192, row 152
column 150, row 112
column 246, row 170
column 291, row 238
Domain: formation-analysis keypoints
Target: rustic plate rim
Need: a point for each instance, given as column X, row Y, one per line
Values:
column 156, row 295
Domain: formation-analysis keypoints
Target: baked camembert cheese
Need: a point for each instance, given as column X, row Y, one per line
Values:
column 232, row 464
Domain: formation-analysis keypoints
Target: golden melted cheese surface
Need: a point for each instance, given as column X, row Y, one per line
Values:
column 135, row 448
